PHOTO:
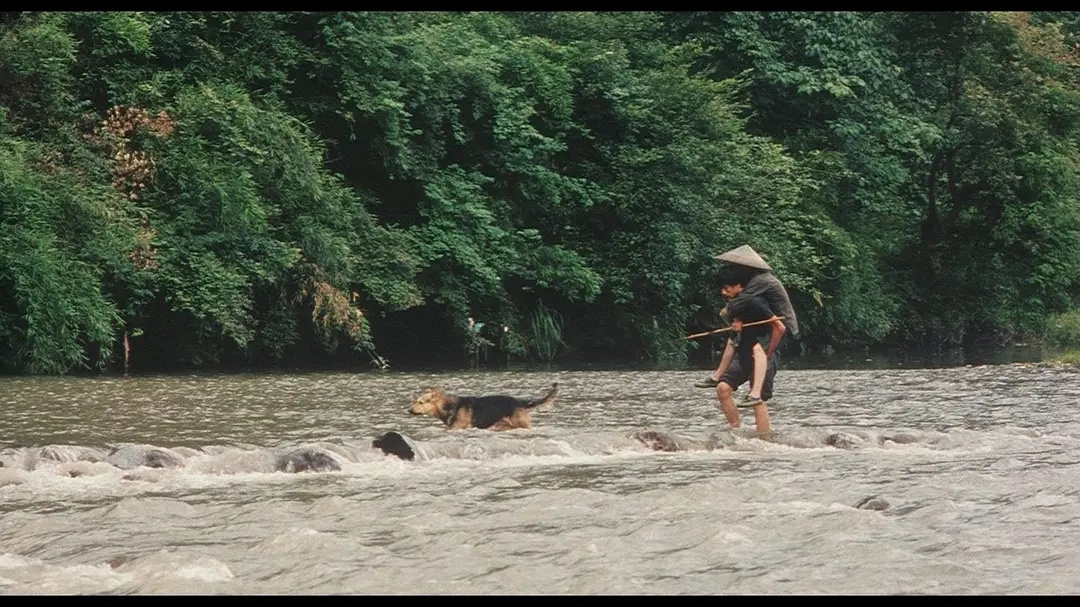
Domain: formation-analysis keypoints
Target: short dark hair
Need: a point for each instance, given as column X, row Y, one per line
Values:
column 733, row 275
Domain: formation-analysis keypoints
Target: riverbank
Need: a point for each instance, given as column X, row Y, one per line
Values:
column 1069, row 359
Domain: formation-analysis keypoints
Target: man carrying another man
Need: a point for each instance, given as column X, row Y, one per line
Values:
column 744, row 266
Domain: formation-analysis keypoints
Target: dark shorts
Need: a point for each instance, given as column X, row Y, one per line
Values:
column 735, row 376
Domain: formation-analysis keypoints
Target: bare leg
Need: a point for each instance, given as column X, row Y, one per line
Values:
column 761, row 411
column 761, row 418
column 727, row 405
column 757, row 379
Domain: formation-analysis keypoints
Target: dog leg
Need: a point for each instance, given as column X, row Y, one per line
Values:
column 520, row 419
column 462, row 419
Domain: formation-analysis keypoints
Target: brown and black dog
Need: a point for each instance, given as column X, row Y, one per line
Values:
column 493, row 412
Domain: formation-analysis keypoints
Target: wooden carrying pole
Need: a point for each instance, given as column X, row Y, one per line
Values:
column 745, row 324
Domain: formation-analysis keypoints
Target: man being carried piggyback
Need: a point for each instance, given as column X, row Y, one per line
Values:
column 751, row 281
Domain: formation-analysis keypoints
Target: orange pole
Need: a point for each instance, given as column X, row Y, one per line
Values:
column 747, row 324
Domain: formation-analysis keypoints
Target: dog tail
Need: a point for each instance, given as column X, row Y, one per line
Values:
column 548, row 398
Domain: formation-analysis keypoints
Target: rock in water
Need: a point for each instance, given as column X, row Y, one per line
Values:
column 657, row 441
column 133, row 456
column 873, row 502
column 70, row 453
column 307, row 459
column 843, row 440
column 393, row 443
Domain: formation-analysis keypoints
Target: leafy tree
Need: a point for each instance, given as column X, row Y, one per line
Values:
column 58, row 238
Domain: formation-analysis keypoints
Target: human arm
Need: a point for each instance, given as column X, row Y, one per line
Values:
column 776, row 333
column 725, row 360
column 754, row 310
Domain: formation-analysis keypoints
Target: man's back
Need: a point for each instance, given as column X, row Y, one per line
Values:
column 766, row 285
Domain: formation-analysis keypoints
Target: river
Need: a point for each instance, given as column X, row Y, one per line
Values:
column 945, row 480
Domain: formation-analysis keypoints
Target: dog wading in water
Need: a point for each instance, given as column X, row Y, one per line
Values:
column 493, row 412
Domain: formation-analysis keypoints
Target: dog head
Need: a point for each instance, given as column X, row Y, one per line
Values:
column 431, row 401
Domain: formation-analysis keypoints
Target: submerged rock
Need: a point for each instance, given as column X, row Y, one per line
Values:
column 843, row 440
column 874, row 502
column 670, row 442
column 720, row 440
column 307, row 459
column 657, row 441
column 901, row 438
column 187, row 451
column 70, row 453
column 396, row 444
column 134, row 456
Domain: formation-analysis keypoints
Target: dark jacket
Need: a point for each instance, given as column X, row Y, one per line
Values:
column 768, row 286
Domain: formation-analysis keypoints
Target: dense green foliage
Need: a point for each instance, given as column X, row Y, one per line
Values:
column 224, row 188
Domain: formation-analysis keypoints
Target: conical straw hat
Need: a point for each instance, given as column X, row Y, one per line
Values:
column 744, row 256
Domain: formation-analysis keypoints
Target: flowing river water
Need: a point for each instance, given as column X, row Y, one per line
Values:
column 961, row 480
